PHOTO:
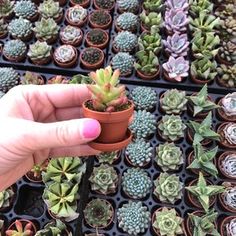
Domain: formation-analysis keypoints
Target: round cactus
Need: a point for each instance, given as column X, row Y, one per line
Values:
column 14, row 49
column 130, row 6
column 125, row 41
column 127, row 21
column 25, row 9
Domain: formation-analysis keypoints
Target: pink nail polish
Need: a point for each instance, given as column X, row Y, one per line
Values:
column 91, row 129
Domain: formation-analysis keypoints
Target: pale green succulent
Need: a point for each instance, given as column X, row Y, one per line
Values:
column 25, row 9
column 127, row 21
column 8, row 78
column 1, row 226
column 80, row 79
column 6, row 8
column 39, row 50
column 50, row 9
column 53, row 228
column 125, row 41
column 151, row 19
column 197, row 6
column 107, row 157
column 5, row 197
column 153, row 5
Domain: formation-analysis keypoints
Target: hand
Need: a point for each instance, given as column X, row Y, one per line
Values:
column 41, row 121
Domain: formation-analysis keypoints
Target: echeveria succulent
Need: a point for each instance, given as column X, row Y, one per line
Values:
column 227, row 75
column 229, row 104
column 197, row 6
column 151, row 19
column 177, row 4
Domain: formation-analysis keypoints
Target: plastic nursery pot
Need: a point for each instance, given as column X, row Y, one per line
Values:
column 83, row 4
column 42, row 61
column 23, row 222
column 150, row 76
column 118, row 29
column 95, row 25
column 11, row 201
column 30, row 176
column 115, row 134
column 223, row 142
column 204, row 142
column 77, row 24
column 15, row 59
column 26, row 38
column 223, row 224
column 102, row 45
column 99, row 8
column 226, row 207
column 76, row 42
column 197, row 80
column 221, row 165
column 3, row 35
column 222, row 61
column 222, row 115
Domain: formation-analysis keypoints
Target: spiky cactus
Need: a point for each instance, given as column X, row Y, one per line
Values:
column 21, row 230
column 127, row 21
column 125, row 41
column 25, row 9
column 8, row 78
column 5, row 197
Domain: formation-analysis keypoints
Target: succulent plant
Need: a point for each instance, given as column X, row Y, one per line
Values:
column 228, row 165
column 5, row 197
column 230, row 133
column 50, row 9
column 107, row 157
column 205, row 224
column 176, row 20
column 171, row 127
column 3, row 27
column 80, row 79
column 104, row 179
column 128, row 6
column 174, row 101
column 124, row 62
column 203, row 160
column 125, row 41
column 97, row 36
column 201, row 102
column 100, row 17
column 111, row 98
column 98, row 213
column 136, row 183
column 139, row 152
column 65, row 53
column 167, row 222
column 197, row 6
column 177, row 45
column 168, row 156
column 77, row 14
column 25, row 9
column 8, row 78
column 203, row 130
column 231, row 227
column 58, row 79
column 14, row 49
column 144, row 124
column 151, row 19
column 228, row 104
column 144, row 98
column 133, row 218
column 31, row 78
column 6, row 8
column 39, row 51
column 92, row 55
column 46, row 29
column 53, row 228
column 153, row 5
column 21, row 230
column 226, row 10
column 177, row 68
column 228, row 51
column 70, row 34
column 105, row 4
column 228, row 28
column 127, row 21
column 227, row 75
column 177, row 4
column 229, row 196
column 168, row 188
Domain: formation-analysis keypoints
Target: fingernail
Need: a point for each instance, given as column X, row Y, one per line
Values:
column 91, row 129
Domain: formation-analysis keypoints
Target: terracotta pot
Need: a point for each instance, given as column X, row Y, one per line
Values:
column 223, row 142
column 84, row 4
column 24, row 222
column 30, row 176
column 222, row 61
column 99, row 8
column 166, row 77
column 11, row 201
column 204, row 142
column 3, row 35
column 9, row 17
column 222, row 83
column 15, row 59
column 59, row 19
column 50, row 41
column 148, row 77
column 34, row 17
column 77, row 42
column 223, row 224
column 77, row 24
column 114, row 134
column 117, row 50
column 223, row 205
column 24, row 39
column 97, row 65
column 197, row 80
column 95, row 25
column 43, row 61
column 101, row 46
column 62, row 2
column 222, row 115
column 132, row 165
column 120, row 10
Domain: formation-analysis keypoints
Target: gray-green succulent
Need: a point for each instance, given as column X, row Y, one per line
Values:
column 53, row 228
column 125, row 41
column 25, row 9
column 127, row 21
column 3, row 27
column 14, row 49
column 227, row 51
column 107, row 157
column 50, row 9
column 6, row 8
column 8, row 78
column 151, row 19
column 227, row 75
column 5, row 197
column 153, row 5
column 128, row 6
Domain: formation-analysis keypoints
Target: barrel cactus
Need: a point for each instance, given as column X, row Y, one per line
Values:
column 125, row 41
column 14, row 49
column 136, row 183
column 25, row 9
column 5, row 197
column 127, row 21
column 128, row 6
column 50, row 9
column 8, row 78
column 133, row 218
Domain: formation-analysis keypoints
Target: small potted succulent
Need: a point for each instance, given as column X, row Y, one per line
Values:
column 111, row 103
column 128, row 6
column 7, row 9
column 136, row 183
column 107, row 5
column 108, row 157
column 196, row 7
column 31, row 78
column 180, row 4
column 227, row 198
column 58, row 79
column 35, row 174
column 133, row 218
column 80, row 79
column 152, row 5
column 227, row 53
column 149, row 20
column 228, row 226
column 26, row 9
column 100, row 19
column 98, row 213
column 82, row 3
column 65, row 56
column 168, row 188
column 127, row 21
column 8, row 78
column 92, row 58
column 71, row 35
column 3, row 29
column 227, row 132
column 40, row 53
column 226, row 76
column 169, row 157
column 21, row 227
column 97, row 38
column 7, row 197
column 76, row 16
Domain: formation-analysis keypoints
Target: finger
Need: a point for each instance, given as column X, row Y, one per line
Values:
column 68, row 113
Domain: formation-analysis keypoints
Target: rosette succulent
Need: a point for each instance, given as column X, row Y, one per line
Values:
column 14, row 49
column 168, row 188
column 25, row 9
column 133, row 218
column 174, row 101
column 228, row 51
column 21, row 229
column 151, row 19
column 143, row 125
column 228, row 104
column 177, row 45
column 229, row 196
column 227, row 75
column 5, row 197
column 128, row 6
column 136, row 183
column 231, row 227
column 6, row 8
column 127, row 21
column 228, row 165
column 8, row 78
column 76, row 14
column 197, row 6
column 32, row 78
column 171, row 127
column 53, row 228
column 230, row 133
column 107, row 157
column 168, row 156
column 50, row 9
column 177, row 4
column 152, row 5
column 125, row 41
column 104, row 179
column 65, row 53
column 70, row 34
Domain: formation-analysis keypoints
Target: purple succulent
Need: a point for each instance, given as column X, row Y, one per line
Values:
column 177, row 45
column 177, row 4
column 176, row 21
column 176, row 68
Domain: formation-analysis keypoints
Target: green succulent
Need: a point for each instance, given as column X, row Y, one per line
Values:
column 61, row 199
column 104, row 179
column 227, row 51
column 25, row 9
column 31, row 78
column 50, row 9
column 205, row 224
column 203, row 130
column 97, row 36
column 168, row 188
column 167, row 222
column 203, row 192
column 14, row 49
column 136, row 183
column 144, row 98
column 53, row 228
column 8, row 78
column 6, row 8
column 197, row 6
column 151, row 19
column 107, row 157
column 174, row 101
column 80, row 79
column 98, row 213
column 200, row 101
column 133, row 218
column 153, row 5
column 106, row 5
column 46, row 29
column 3, row 27
column 127, row 21
column 203, row 160
column 125, row 41
column 171, row 127
column 5, row 197
column 139, row 152
column 227, row 75
column 168, row 156
column 128, row 6
column 228, row 28
column 143, row 125
column 39, row 51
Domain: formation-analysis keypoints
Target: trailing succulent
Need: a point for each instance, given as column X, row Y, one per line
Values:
column 26, row 230
column 92, row 55
column 139, row 152
column 227, row 75
column 197, row 6
column 144, row 98
column 3, row 27
column 104, row 179
column 174, row 101
column 227, row 51
column 5, row 197
column 50, row 9
column 14, row 49
column 100, row 17
column 168, row 188
column 53, row 228
column 127, row 21
column 143, row 125
column 125, row 41
column 168, row 156
column 6, row 8
column 136, row 183
column 171, row 127
column 107, row 157
column 25, row 9
column 128, row 6
column 151, row 19
column 153, row 5
column 8, row 78
column 133, row 218
column 96, row 36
